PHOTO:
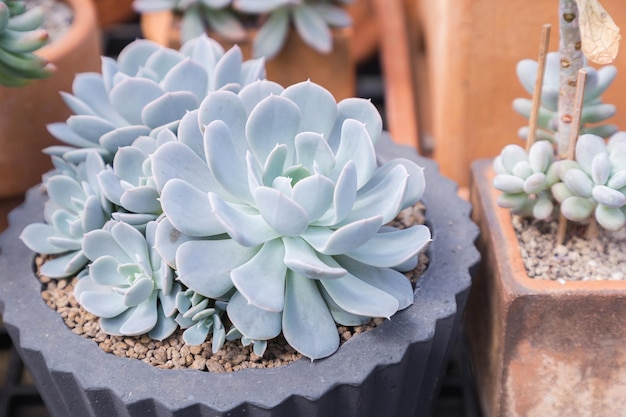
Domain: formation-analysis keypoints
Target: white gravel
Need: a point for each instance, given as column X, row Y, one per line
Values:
column 579, row 259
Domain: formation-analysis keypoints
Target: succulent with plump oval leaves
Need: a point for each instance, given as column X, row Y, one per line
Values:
column 21, row 35
column 281, row 206
column 75, row 207
column 129, row 286
column 148, row 88
column 596, row 183
column 594, row 111
column 525, row 179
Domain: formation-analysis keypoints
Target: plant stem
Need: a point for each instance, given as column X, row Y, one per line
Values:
column 571, row 61
column 577, row 109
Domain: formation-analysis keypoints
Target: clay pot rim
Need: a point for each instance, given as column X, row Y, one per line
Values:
column 84, row 20
column 504, row 240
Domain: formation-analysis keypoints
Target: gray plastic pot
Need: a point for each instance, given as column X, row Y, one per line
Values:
column 393, row 370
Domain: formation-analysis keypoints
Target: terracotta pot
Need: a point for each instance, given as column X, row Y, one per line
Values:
column 393, row 370
column 366, row 39
column 26, row 111
column 471, row 49
column 296, row 62
column 111, row 12
column 539, row 347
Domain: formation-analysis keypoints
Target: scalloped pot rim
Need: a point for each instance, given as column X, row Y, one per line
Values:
column 415, row 337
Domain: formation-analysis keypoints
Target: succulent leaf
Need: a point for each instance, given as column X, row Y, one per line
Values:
column 610, row 218
column 307, row 323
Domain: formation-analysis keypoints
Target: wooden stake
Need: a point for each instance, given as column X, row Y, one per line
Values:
column 533, row 121
column 573, row 138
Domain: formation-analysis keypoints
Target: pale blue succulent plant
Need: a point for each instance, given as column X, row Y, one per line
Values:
column 312, row 20
column 525, row 179
column 128, row 286
column 258, row 208
column 75, row 207
column 281, row 207
column 20, row 36
column 148, row 88
column 595, row 184
column 199, row 15
column 594, row 111
column 200, row 317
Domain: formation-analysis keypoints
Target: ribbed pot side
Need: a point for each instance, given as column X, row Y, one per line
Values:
column 393, row 370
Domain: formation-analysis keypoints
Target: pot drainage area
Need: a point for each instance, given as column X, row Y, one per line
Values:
column 19, row 396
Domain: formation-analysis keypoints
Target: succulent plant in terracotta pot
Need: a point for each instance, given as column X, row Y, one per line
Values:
column 300, row 40
column 552, row 291
column 195, row 200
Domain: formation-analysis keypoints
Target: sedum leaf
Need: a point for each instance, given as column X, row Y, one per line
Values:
column 610, row 218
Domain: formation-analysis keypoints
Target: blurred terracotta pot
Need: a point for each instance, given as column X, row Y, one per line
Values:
column 25, row 111
column 110, row 12
column 540, row 348
column 366, row 39
column 296, row 62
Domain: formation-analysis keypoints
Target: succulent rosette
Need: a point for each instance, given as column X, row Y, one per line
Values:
column 147, row 89
column 525, row 179
column 199, row 15
column 128, row 286
column 594, row 111
column 200, row 316
column 311, row 19
column 128, row 182
column 273, row 200
column 75, row 207
column 595, row 184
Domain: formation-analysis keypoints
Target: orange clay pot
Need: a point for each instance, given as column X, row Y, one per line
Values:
column 25, row 111
column 540, row 348
column 111, row 12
